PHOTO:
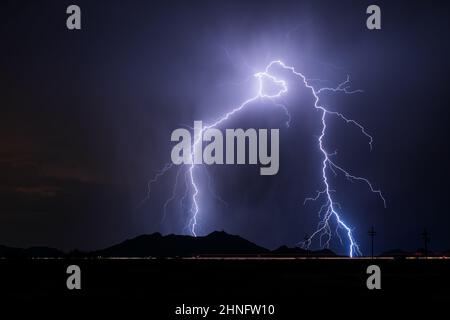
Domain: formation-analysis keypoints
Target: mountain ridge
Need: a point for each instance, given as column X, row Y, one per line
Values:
column 217, row 243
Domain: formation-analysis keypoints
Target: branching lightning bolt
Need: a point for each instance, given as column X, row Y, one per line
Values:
column 330, row 209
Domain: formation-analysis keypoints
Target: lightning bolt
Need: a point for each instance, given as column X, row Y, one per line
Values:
column 330, row 209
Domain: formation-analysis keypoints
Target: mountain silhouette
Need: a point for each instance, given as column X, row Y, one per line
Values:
column 156, row 245
column 32, row 252
column 43, row 252
column 217, row 243
column 10, row 252
column 286, row 251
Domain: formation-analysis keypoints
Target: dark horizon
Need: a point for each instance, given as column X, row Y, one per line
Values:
column 87, row 117
column 217, row 244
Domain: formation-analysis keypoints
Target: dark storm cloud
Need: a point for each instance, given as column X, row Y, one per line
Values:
column 86, row 116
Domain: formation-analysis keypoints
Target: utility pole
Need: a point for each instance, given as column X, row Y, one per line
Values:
column 372, row 235
column 426, row 239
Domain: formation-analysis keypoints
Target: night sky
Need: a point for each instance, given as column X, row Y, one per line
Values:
column 86, row 118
